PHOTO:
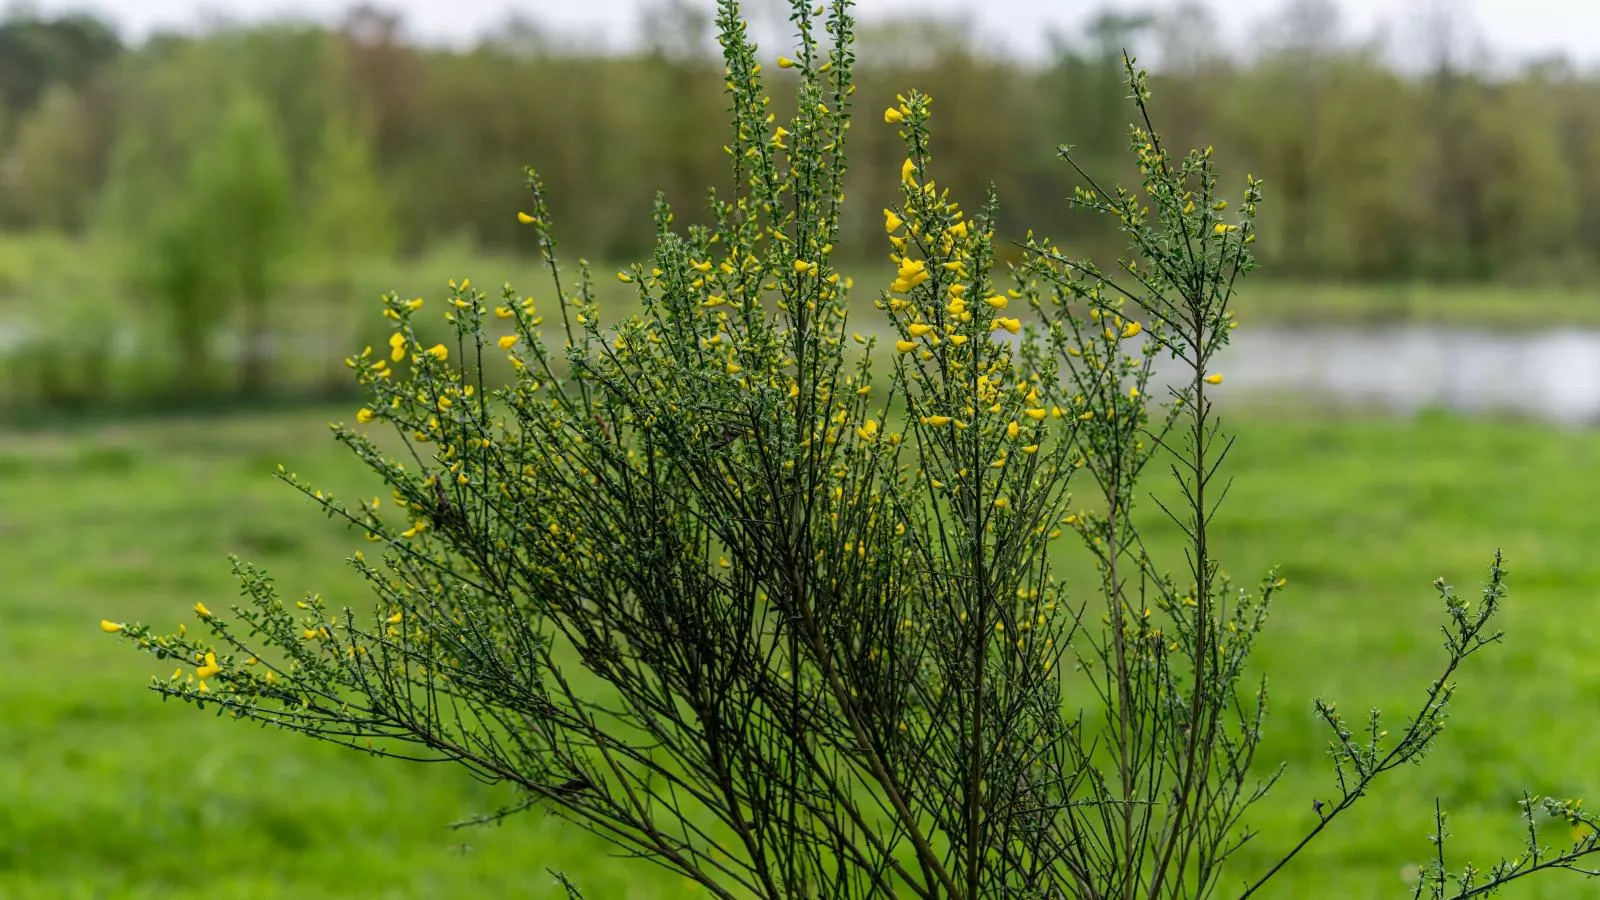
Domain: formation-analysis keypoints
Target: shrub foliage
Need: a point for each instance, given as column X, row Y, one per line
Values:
column 758, row 583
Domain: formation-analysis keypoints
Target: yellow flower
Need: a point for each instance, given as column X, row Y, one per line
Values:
column 1012, row 325
column 503, row 312
column 110, row 627
column 1034, row 414
column 439, row 352
column 891, row 221
column 1031, row 449
column 397, row 346
column 893, row 116
column 414, row 304
column 309, row 634
column 209, row 669
column 869, row 430
column 624, row 277
column 1214, row 379
column 1001, row 503
column 507, row 342
column 201, row 611
column 364, row 415
column 1131, row 329
column 910, row 269
column 920, row 329
column 395, row 619
column 958, row 339
column 998, row 301
column 936, row 421
column 1013, row 429
column 907, row 169
column 524, row 218
column 785, row 62
column 904, row 346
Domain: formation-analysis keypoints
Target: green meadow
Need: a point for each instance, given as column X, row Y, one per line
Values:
column 110, row 793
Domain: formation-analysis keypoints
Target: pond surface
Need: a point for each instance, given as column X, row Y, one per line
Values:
column 1552, row 375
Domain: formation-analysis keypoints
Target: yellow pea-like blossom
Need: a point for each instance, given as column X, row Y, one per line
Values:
column 920, row 329
column 524, row 218
column 1010, row 324
column 1131, row 329
column 936, row 421
column 509, row 341
column 201, row 611
column 1013, row 429
column 904, row 346
column 1214, row 379
column 364, row 415
column 998, row 301
column 395, row 619
column 624, row 277
column 914, row 271
column 891, row 221
column 503, row 312
column 397, row 346
column 907, row 169
column 210, row 668
column 1002, row 503
column 869, row 430
column 1034, row 414
column 893, row 116
column 958, row 339
column 785, row 62
column 439, row 352
column 110, row 627
column 1031, row 449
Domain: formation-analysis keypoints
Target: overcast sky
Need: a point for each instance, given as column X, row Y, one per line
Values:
column 1512, row 29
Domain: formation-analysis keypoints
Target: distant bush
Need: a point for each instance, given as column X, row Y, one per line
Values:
column 769, row 601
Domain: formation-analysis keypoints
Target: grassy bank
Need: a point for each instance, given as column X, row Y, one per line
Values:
column 108, row 793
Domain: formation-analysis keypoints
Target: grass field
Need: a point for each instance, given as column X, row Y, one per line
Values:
column 109, row 793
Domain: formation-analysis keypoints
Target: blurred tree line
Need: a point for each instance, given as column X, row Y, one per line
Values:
column 210, row 198
column 375, row 143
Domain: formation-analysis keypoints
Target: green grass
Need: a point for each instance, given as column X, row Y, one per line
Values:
column 109, row 793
